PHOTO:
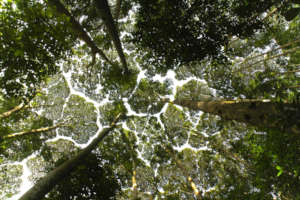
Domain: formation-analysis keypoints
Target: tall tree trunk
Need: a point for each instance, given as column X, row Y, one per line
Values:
column 76, row 26
column 44, row 185
column 106, row 15
column 284, row 117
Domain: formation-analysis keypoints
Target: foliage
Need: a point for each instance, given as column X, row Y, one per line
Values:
column 183, row 31
column 32, row 41
column 177, row 50
column 257, row 76
column 147, row 93
column 275, row 152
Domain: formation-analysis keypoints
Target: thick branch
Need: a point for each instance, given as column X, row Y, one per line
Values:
column 106, row 15
column 82, row 34
column 134, row 185
column 45, row 185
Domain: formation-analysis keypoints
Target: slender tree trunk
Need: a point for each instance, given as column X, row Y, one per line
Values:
column 269, row 58
column 45, row 185
column 105, row 12
column 134, row 186
column 281, row 116
column 39, row 130
column 10, row 112
column 79, row 29
column 281, row 47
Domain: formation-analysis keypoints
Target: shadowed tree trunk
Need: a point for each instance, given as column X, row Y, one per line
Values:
column 45, row 185
column 260, row 113
column 117, row 10
column 106, row 15
column 79, row 29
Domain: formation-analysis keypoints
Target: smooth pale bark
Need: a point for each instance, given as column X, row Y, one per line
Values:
column 134, row 186
column 10, row 112
column 284, row 117
column 39, row 130
column 106, row 15
column 45, row 185
column 79, row 29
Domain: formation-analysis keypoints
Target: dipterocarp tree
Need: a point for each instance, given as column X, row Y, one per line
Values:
column 149, row 99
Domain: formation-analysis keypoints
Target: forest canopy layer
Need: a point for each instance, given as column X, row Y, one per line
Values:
column 138, row 99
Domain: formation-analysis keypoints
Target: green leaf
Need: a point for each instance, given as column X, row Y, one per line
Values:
column 280, row 170
column 19, row 52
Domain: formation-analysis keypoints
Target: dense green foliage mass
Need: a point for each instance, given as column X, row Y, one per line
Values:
column 183, row 31
column 33, row 40
column 108, row 80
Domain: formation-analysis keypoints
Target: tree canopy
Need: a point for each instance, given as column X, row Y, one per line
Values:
column 149, row 100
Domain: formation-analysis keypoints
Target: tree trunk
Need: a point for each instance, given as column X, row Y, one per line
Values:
column 280, row 116
column 106, row 15
column 117, row 10
column 44, row 185
column 79, row 29
column 269, row 58
column 262, row 54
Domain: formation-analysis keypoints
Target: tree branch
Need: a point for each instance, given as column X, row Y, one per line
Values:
column 39, row 130
column 10, row 112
